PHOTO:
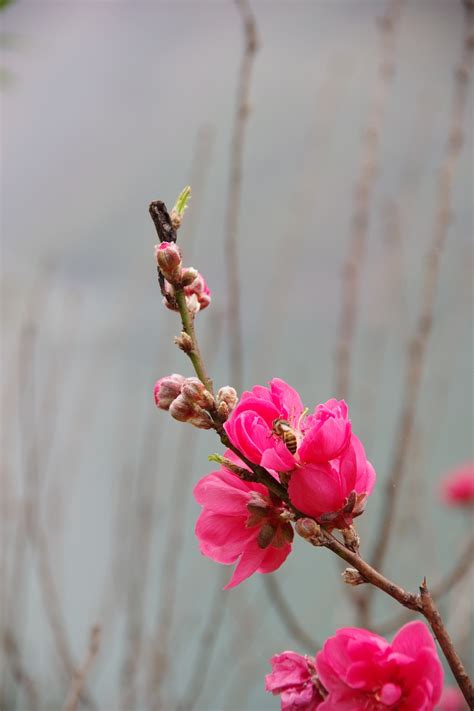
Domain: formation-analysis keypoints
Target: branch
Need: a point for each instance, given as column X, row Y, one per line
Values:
column 242, row 111
column 444, row 586
column 431, row 613
column 79, row 678
column 287, row 616
column 363, row 192
column 419, row 342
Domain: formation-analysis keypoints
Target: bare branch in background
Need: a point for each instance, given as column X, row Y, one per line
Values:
column 419, row 342
column 363, row 192
column 460, row 570
column 242, row 111
column 79, row 678
column 21, row 677
column 207, row 642
column 287, row 616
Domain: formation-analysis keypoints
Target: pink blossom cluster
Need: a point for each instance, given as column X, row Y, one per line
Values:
column 357, row 670
column 328, row 474
column 457, row 488
column 328, row 478
column 196, row 291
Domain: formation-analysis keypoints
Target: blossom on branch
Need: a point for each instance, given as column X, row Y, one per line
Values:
column 357, row 670
column 361, row 671
column 329, row 475
column 457, row 487
column 241, row 521
column 294, row 678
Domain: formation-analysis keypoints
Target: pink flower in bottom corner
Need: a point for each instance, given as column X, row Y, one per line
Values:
column 452, row 700
column 363, row 672
column 457, row 487
column 294, row 678
column 241, row 522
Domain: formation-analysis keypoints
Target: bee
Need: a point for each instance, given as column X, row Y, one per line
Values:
column 283, row 430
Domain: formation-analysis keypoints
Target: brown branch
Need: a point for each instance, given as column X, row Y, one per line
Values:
column 18, row 672
column 208, row 639
column 287, row 616
column 445, row 585
column 364, row 187
column 242, row 110
column 419, row 342
column 79, row 677
column 431, row 613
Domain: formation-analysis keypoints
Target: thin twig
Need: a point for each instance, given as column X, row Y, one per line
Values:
column 445, row 585
column 79, row 678
column 210, row 631
column 362, row 200
column 22, row 678
column 419, row 342
column 242, row 110
column 287, row 616
column 175, row 541
column 431, row 613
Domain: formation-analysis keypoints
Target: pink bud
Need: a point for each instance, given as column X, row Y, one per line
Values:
column 167, row 389
column 196, row 392
column 228, row 395
column 168, row 258
column 188, row 275
column 181, row 409
column 198, row 295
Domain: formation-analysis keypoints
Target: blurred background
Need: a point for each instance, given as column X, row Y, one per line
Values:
column 352, row 130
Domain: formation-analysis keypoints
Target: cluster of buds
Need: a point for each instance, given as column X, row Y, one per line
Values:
column 187, row 400
column 196, row 291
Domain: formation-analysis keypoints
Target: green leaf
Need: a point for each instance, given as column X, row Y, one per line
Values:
column 181, row 203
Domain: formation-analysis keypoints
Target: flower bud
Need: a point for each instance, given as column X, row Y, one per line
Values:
column 202, row 419
column 351, row 576
column 168, row 258
column 228, row 395
column 182, row 409
column 198, row 295
column 308, row 529
column 167, row 389
column 188, row 275
column 184, row 342
column 196, row 392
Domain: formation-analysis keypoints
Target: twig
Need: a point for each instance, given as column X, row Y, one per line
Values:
column 21, row 677
column 287, row 616
column 431, row 613
column 79, row 678
column 175, row 542
column 207, row 642
column 418, row 345
column 363, row 192
column 242, row 110
column 445, row 585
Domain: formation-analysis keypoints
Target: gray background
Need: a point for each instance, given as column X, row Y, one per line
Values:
column 107, row 105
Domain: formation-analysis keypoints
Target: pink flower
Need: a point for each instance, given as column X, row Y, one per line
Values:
column 327, row 433
column 457, row 488
column 363, row 672
column 335, row 492
column 452, row 700
column 294, row 678
column 329, row 475
column 240, row 521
